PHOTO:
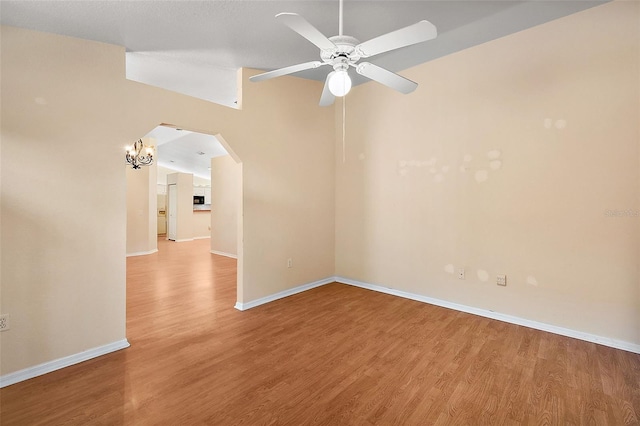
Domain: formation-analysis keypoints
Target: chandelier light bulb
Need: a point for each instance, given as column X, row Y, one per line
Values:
column 340, row 83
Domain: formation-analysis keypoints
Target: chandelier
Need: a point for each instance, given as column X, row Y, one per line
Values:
column 139, row 154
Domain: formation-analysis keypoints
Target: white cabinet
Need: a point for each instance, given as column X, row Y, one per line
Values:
column 203, row 191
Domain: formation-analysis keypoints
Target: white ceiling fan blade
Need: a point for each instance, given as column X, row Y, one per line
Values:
column 327, row 97
column 416, row 33
column 300, row 25
column 285, row 71
column 386, row 77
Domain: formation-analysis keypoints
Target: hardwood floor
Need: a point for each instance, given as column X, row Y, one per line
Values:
column 335, row 355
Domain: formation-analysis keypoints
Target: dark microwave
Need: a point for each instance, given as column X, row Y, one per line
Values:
column 198, row 199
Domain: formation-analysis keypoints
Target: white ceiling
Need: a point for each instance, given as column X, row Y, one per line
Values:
column 185, row 151
column 195, row 47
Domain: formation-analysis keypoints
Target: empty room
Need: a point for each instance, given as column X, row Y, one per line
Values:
column 433, row 213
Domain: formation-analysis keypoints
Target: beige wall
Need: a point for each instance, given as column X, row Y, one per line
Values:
column 560, row 102
column 64, row 210
column 201, row 224
column 288, row 177
column 64, row 219
column 142, row 208
column 184, row 211
column 226, row 190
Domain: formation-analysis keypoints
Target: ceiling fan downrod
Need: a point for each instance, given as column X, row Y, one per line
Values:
column 340, row 18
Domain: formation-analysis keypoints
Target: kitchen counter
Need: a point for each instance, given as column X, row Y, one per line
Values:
column 202, row 207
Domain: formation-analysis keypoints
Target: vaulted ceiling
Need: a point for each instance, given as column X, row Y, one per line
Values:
column 195, row 47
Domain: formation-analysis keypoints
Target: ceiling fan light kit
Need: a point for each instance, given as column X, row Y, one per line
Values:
column 342, row 52
column 339, row 83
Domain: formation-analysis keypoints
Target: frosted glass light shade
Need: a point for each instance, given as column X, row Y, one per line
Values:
column 340, row 83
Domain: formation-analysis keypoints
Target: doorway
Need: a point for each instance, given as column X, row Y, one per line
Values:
column 172, row 204
column 180, row 198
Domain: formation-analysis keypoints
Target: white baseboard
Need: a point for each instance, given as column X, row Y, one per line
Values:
column 57, row 364
column 202, row 238
column 142, row 253
column 248, row 305
column 606, row 341
column 184, row 240
column 221, row 253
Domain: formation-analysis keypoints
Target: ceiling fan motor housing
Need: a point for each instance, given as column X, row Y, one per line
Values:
column 344, row 54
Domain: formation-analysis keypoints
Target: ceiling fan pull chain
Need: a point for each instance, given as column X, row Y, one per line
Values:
column 344, row 144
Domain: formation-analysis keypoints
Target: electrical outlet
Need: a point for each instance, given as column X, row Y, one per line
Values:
column 289, row 263
column 461, row 274
column 4, row 322
column 502, row 280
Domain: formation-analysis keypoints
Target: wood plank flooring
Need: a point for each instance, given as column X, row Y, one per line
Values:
column 335, row 355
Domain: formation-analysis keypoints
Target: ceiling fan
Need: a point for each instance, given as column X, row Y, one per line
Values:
column 343, row 51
